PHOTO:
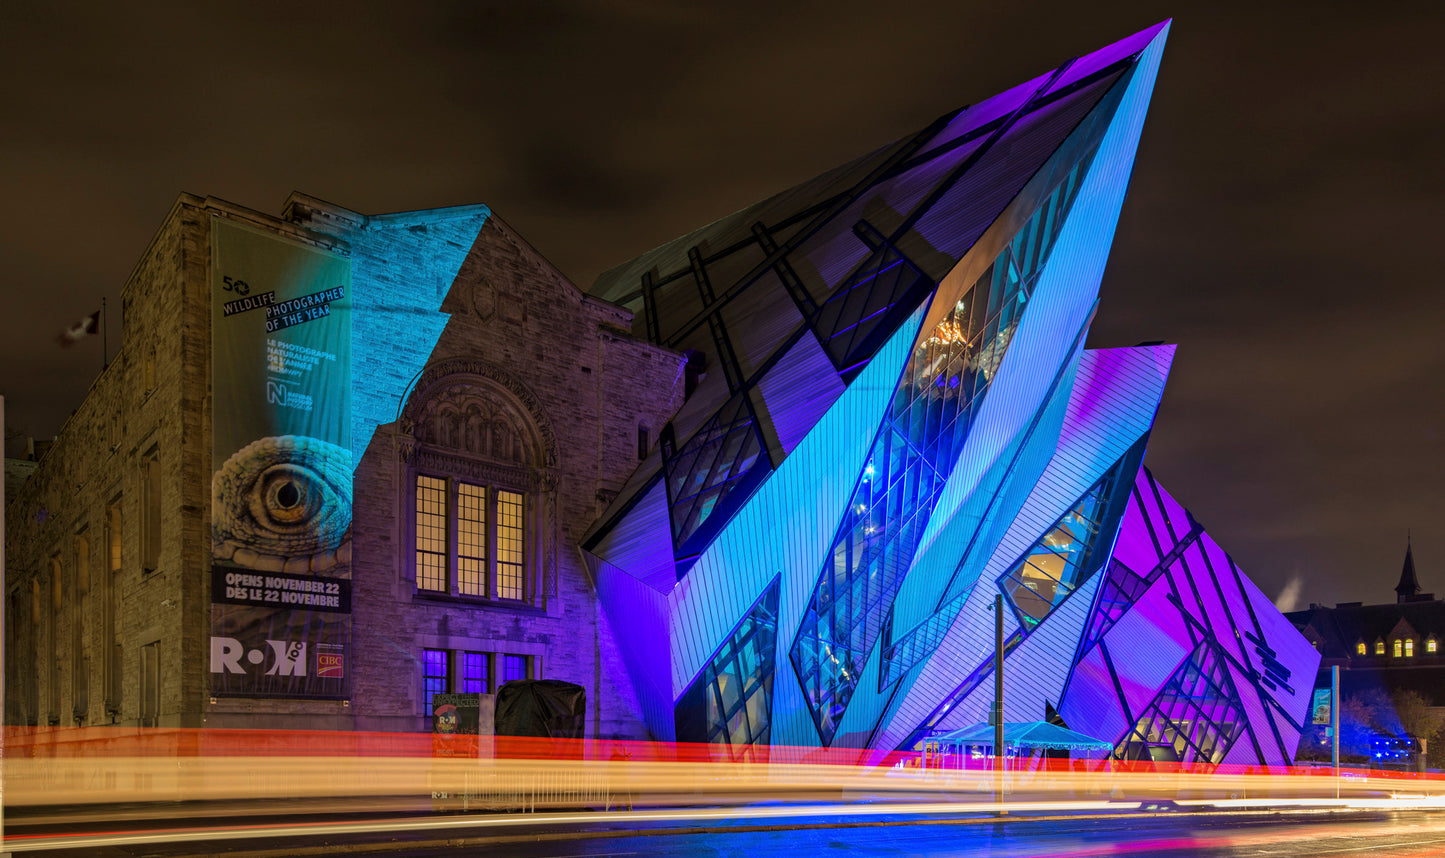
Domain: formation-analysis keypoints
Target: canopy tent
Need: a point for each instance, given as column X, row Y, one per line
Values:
column 1025, row 734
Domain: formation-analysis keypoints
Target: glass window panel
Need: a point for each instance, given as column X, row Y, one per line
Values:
column 510, row 543
column 435, row 676
column 431, row 533
column 471, row 539
column 474, row 673
column 514, row 667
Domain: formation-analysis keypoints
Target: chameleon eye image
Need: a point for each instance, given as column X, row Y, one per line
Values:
column 283, row 504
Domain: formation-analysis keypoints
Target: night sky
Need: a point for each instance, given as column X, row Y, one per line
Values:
column 1284, row 225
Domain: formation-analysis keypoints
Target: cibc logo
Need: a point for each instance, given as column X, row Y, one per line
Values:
column 288, row 658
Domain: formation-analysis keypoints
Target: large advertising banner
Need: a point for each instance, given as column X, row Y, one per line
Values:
column 281, row 466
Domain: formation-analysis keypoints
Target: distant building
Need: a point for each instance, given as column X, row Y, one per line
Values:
column 340, row 463
column 1385, row 647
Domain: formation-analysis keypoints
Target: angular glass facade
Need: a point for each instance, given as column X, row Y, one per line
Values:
column 910, row 463
column 730, row 702
column 1195, row 719
column 904, row 424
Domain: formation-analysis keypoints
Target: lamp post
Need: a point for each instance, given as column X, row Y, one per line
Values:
column 999, row 760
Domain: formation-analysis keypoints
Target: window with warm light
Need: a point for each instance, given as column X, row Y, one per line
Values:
column 1379, row 647
column 1432, row 646
column 470, row 539
column 1409, row 647
column 1398, row 648
column 1360, row 648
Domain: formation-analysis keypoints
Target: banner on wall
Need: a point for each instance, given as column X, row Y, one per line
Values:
column 281, row 465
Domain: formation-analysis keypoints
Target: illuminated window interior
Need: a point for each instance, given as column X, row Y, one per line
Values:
column 1409, row 647
column 1379, row 647
column 1431, row 645
column 509, row 545
column 470, row 539
column 435, row 676
column 1398, row 648
column 431, row 534
column 1360, row 648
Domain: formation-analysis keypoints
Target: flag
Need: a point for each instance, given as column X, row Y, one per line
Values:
column 90, row 325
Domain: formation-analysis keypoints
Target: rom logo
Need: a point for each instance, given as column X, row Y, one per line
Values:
column 288, row 658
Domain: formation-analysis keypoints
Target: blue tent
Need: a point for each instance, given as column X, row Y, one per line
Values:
column 1025, row 735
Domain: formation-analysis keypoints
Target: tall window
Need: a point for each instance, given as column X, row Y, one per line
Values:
column 1409, row 647
column 514, row 667
column 1379, row 647
column 57, row 600
column 435, row 676
column 1431, row 645
column 79, row 660
column 470, row 539
column 150, row 684
column 110, row 589
column 1360, row 648
column 454, row 672
column 1398, row 648
column 151, row 511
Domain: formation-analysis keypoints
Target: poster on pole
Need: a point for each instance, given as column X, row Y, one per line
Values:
column 1320, row 706
column 281, row 466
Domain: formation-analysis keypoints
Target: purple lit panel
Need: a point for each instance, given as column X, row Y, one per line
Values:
column 1105, row 57
column 1134, row 548
column 1091, row 704
column 1147, row 644
column 1209, row 607
column 641, row 544
column 799, row 391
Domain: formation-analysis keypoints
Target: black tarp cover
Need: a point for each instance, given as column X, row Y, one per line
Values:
column 547, row 708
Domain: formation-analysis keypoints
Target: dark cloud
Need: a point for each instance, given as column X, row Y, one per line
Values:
column 1282, row 227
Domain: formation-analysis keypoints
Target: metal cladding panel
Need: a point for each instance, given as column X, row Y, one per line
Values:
column 799, row 390
column 1147, row 644
column 1134, row 548
column 1292, row 649
column 1037, row 670
column 1092, row 704
column 976, row 116
column 1202, row 599
column 786, row 526
column 1104, row 57
column 640, row 544
column 1259, row 733
column 758, row 326
column 638, row 616
column 957, row 221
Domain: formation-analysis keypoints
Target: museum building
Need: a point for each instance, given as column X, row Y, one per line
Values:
column 899, row 423
column 759, row 486
column 340, row 463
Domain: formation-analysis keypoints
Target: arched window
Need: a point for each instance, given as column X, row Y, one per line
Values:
column 1379, row 647
column 1431, row 645
column 1409, row 647
column 1360, row 648
column 478, row 475
column 1398, row 648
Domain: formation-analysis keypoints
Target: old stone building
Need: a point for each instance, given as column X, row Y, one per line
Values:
column 482, row 410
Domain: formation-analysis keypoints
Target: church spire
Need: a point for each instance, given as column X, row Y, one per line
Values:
column 1409, row 585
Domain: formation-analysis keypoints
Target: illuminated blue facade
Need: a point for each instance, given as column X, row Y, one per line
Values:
column 894, row 420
